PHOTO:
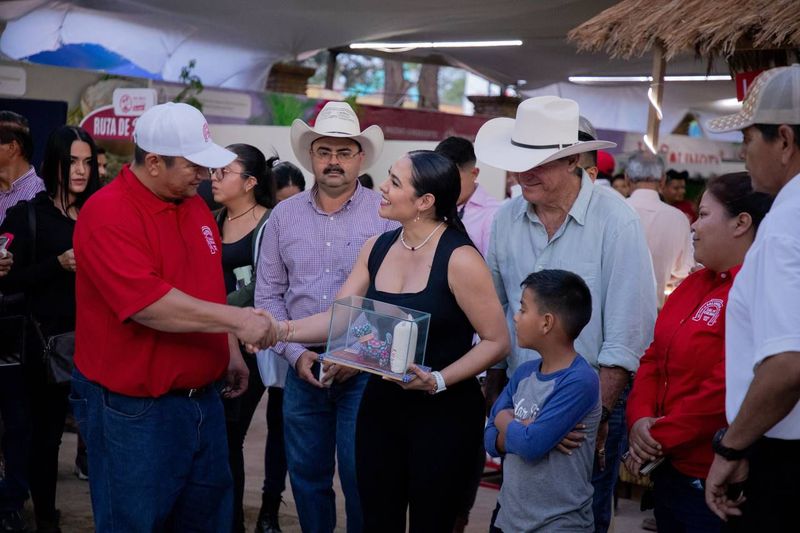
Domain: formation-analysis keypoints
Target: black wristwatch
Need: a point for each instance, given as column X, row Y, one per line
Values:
column 730, row 454
column 605, row 414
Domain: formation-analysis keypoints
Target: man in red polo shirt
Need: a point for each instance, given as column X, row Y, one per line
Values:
column 153, row 336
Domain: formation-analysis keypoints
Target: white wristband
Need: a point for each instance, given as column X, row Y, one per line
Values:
column 440, row 384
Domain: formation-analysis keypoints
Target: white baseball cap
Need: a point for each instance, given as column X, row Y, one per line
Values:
column 174, row 129
column 774, row 98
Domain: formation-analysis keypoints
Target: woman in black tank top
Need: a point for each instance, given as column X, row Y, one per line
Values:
column 416, row 443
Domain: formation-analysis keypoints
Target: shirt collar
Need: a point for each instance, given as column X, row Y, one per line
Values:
column 480, row 197
column 579, row 207
column 153, row 203
column 788, row 191
column 724, row 276
column 312, row 199
column 650, row 195
column 581, row 204
column 31, row 173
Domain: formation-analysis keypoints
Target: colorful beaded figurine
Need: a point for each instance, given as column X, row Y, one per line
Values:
column 378, row 351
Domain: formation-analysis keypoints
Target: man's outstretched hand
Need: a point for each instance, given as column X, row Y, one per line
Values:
column 257, row 329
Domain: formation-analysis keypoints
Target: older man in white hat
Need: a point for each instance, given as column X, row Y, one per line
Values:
column 311, row 242
column 757, row 456
column 563, row 221
column 150, row 340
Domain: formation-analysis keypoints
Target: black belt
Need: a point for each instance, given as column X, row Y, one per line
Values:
column 190, row 393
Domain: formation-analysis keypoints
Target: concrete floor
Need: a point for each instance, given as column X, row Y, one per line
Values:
column 73, row 494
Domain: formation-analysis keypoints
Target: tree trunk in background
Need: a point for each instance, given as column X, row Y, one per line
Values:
column 428, row 87
column 395, row 86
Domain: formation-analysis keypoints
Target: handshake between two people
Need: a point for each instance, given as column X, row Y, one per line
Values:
column 258, row 330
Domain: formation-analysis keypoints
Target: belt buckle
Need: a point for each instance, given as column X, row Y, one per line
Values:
column 192, row 392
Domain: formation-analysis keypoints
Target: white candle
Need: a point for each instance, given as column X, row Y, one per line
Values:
column 404, row 343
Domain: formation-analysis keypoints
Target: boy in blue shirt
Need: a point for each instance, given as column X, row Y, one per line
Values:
column 543, row 488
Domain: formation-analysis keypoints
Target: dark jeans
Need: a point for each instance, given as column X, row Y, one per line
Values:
column 16, row 438
column 238, row 415
column 772, row 489
column 156, row 464
column 604, row 481
column 320, row 431
column 681, row 504
column 415, row 455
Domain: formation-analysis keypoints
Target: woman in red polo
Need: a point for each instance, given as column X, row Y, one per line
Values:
column 678, row 398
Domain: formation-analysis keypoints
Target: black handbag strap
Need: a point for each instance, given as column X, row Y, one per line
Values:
column 32, row 230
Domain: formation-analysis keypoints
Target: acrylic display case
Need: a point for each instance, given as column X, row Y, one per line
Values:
column 377, row 337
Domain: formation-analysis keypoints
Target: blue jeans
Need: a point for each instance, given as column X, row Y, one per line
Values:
column 681, row 503
column 157, row 464
column 604, row 481
column 320, row 424
column 16, row 438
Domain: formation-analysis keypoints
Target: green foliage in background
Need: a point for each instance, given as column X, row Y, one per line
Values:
column 194, row 86
column 285, row 108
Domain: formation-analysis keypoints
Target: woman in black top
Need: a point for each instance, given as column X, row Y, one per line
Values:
column 44, row 269
column 246, row 190
column 416, row 443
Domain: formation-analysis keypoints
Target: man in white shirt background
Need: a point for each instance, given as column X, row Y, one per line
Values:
column 754, row 476
column 666, row 228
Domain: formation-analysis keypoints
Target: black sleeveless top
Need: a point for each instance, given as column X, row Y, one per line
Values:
column 234, row 255
column 450, row 332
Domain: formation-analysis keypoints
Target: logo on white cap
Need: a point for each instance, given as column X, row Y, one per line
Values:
column 177, row 129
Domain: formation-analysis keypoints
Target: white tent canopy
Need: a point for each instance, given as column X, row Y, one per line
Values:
column 235, row 42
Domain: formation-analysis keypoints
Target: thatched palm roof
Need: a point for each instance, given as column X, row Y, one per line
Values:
column 707, row 27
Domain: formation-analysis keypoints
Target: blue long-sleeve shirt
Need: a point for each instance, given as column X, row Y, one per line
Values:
column 534, row 471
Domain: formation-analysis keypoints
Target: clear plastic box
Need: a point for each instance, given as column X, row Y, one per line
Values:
column 377, row 337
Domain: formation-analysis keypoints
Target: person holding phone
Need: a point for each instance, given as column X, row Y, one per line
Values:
column 6, row 257
column 678, row 398
column 44, row 270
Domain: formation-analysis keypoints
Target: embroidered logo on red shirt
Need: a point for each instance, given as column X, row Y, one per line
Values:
column 209, row 235
column 709, row 312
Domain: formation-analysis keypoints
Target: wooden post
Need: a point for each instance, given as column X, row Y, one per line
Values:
column 655, row 95
column 330, row 69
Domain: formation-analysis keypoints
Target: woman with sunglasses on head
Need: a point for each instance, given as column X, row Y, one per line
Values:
column 246, row 190
column 678, row 398
column 44, row 269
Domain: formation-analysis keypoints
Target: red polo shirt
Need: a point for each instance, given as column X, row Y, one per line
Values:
column 132, row 248
column 682, row 374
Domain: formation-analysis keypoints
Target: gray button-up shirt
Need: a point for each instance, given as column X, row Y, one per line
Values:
column 602, row 241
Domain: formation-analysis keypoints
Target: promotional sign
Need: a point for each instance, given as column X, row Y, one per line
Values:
column 695, row 155
column 130, row 102
column 104, row 124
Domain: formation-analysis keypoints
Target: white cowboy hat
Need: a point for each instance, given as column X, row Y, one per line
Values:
column 546, row 129
column 336, row 119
